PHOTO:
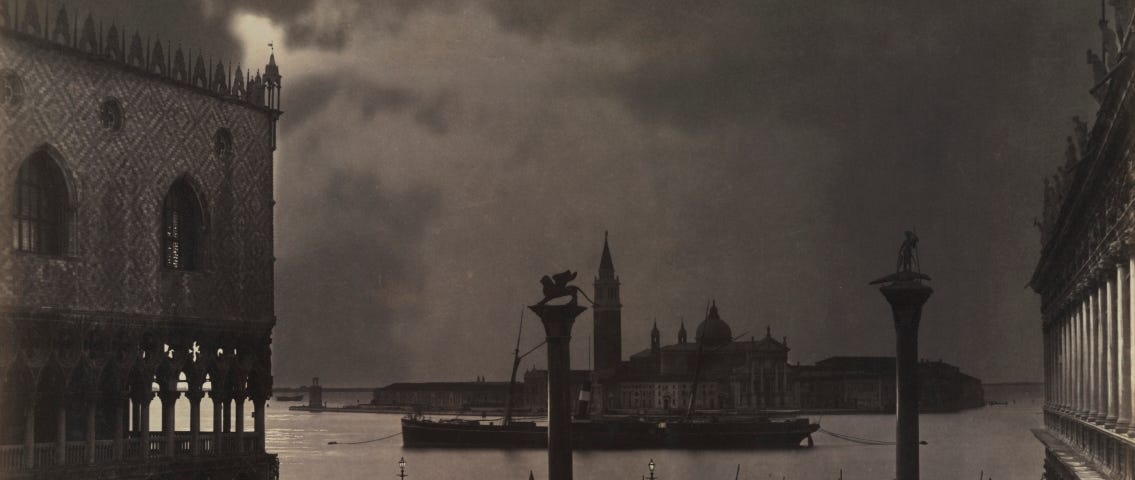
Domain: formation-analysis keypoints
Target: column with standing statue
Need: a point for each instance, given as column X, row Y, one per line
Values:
column 906, row 293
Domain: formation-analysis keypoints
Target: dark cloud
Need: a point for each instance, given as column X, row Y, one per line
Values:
column 351, row 282
column 313, row 94
column 766, row 153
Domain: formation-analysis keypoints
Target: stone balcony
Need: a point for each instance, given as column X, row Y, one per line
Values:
column 81, row 459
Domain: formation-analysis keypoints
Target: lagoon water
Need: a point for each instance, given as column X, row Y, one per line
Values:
column 994, row 440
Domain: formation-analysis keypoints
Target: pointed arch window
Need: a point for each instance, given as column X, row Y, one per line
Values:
column 181, row 226
column 41, row 207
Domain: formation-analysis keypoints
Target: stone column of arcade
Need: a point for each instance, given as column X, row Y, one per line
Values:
column 1110, row 402
column 1123, row 349
column 558, row 321
column 907, row 294
column 195, row 394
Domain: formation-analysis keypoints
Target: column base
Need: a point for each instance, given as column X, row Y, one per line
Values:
column 1109, row 422
column 1122, row 425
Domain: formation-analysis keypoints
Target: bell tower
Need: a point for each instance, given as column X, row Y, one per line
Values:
column 655, row 339
column 608, row 323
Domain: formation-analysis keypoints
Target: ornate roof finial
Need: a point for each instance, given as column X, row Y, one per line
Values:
column 88, row 40
column 5, row 15
column 113, row 48
column 31, row 18
column 62, row 33
column 135, row 56
column 272, row 71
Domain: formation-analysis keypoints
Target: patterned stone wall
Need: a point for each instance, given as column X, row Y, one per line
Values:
column 118, row 180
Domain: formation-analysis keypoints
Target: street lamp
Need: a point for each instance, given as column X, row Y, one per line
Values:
column 402, row 467
column 651, row 467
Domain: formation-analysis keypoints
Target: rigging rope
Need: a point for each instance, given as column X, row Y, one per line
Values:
column 365, row 441
column 854, row 439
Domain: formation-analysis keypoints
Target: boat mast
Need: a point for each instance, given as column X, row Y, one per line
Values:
column 516, row 357
column 512, row 379
column 697, row 371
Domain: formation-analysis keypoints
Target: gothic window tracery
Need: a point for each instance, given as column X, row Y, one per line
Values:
column 223, row 143
column 181, row 226
column 11, row 89
column 41, row 207
column 111, row 115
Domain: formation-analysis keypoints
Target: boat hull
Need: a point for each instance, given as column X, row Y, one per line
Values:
column 429, row 434
column 611, row 435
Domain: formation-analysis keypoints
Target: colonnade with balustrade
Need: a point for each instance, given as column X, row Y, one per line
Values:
column 1088, row 370
column 79, row 394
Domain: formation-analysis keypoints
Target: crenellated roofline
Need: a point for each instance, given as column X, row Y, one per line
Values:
column 154, row 59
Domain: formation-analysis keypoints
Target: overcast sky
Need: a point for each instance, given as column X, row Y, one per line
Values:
column 437, row 157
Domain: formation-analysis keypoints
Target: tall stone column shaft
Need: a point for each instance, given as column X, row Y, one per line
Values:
column 1076, row 369
column 1085, row 360
column 121, row 409
column 258, row 418
column 238, row 410
column 29, row 434
column 1123, row 348
column 194, row 397
column 136, row 415
column 1066, row 328
column 144, row 425
column 1111, row 360
column 226, row 416
column 906, row 299
column 169, row 401
column 218, row 424
column 61, row 432
column 1046, row 365
column 558, row 321
column 91, row 407
column 1061, row 332
column 1101, row 355
column 1130, row 336
column 1091, row 350
column 1074, row 364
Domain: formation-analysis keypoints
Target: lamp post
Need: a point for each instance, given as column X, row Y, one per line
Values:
column 402, row 467
column 651, row 467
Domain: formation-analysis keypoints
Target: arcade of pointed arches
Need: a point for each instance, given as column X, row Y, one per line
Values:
column 76, row 389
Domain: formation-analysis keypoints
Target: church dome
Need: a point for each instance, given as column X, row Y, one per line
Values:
column 713, row 330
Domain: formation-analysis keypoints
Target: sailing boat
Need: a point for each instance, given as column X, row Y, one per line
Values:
column 611, row 432
column 421, row 432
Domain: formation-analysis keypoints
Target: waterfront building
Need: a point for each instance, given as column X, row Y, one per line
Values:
column 749, row 374
column 1083, row 277
column 868, row 384
column 137, row 192
column 734, row 374
column 453, row 396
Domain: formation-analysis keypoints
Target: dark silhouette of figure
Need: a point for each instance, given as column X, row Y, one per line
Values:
column 907, row 253
column 557, row 286
column 907, row 268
